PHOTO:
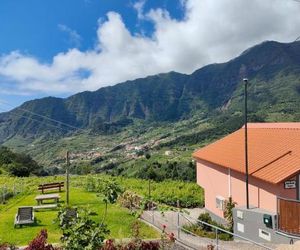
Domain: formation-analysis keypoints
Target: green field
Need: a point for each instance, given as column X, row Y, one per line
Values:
column 119, row 220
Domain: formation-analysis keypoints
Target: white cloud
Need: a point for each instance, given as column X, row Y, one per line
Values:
column 73, row 37
column 211, row 31
column 139, row 7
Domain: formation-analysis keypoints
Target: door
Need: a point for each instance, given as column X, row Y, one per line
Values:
column 298, row 187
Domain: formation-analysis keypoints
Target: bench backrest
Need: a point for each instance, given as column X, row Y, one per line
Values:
column 25, row 213
column 51, row 185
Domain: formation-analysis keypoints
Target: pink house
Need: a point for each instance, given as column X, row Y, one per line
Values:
column 274, row 167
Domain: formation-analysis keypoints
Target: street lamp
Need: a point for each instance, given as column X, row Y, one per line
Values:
column 246, row 141
column 68, row 178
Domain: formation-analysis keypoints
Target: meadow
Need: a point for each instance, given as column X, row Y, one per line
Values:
column 16, row 192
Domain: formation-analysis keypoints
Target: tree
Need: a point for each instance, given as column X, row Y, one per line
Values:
column 18, row 164
column 110, row 190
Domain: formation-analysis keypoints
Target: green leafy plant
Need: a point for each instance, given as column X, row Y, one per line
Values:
column 229, row 206
column 208, row 231
column 83, row 233
column 110, row 191
column 67, row 216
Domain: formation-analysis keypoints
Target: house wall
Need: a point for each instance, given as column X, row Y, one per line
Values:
column 220, row 181
column 215, row 182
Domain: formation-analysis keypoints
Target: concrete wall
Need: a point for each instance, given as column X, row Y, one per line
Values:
column 220, row 181
column 249, row 224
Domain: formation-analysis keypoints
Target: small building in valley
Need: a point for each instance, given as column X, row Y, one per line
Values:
column 274, row 180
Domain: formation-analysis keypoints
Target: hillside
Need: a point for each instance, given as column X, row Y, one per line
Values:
column 169, row 111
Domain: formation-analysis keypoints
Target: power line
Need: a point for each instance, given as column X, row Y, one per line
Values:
column 39, row 121
column 44, row 117
column 298, row 36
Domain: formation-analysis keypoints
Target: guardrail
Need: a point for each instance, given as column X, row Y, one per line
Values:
column 179, row 223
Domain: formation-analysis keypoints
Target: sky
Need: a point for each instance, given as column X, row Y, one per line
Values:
column 61, row 47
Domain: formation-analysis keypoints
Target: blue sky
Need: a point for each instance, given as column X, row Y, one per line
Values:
column 60, row 47
column 34, row 26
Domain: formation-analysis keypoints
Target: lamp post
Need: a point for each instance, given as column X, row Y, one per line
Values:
column 246, row 141
column 68, row 178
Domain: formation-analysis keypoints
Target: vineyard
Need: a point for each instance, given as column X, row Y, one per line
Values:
column 16, row 192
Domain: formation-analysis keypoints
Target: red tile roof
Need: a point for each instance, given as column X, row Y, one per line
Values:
column 273, row 149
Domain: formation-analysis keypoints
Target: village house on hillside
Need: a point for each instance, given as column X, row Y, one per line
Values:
column 274, row 180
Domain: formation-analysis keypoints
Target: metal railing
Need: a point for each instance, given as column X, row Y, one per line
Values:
column 181, row 225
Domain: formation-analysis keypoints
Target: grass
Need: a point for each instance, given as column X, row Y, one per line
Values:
column 168, row 192
column 118, row 219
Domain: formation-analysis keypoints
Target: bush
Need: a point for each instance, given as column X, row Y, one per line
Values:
column 132, row 245
column 207, row 231
column 229, row 206
column 7, row 246
column 18, row 164
column 205, row 217
column 130, row 200
column 40, row 242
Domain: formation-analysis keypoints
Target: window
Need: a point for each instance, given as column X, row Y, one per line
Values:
column 220, row 202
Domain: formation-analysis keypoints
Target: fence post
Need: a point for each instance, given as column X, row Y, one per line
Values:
column 178, row 219
column 178, row 224
column 3, row 194
column 217, row 239
column 152, row 215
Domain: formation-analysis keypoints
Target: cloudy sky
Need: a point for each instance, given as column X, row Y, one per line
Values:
column 60, row 47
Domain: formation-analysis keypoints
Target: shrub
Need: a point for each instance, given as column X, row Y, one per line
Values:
column 229, row 206
column 7, row 246
column 130, row 200
column 40, row 242
column 206, row 230
column 132, row 245
column 205, row 217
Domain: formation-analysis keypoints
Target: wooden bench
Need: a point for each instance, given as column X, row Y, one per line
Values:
column 51, row 186
column 43, row 197
column 48, row 206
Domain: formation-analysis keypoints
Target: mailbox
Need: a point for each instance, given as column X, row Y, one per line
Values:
column 268, row 220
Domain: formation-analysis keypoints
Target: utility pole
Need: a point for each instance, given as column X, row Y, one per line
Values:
column 67, row 178
column 246, row 141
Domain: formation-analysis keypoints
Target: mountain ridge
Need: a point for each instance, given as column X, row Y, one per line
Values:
column 165, row 97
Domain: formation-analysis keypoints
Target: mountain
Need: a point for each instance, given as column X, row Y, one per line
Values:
column 209, row 93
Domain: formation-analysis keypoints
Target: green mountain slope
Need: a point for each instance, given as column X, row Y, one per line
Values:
column 163, row 111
